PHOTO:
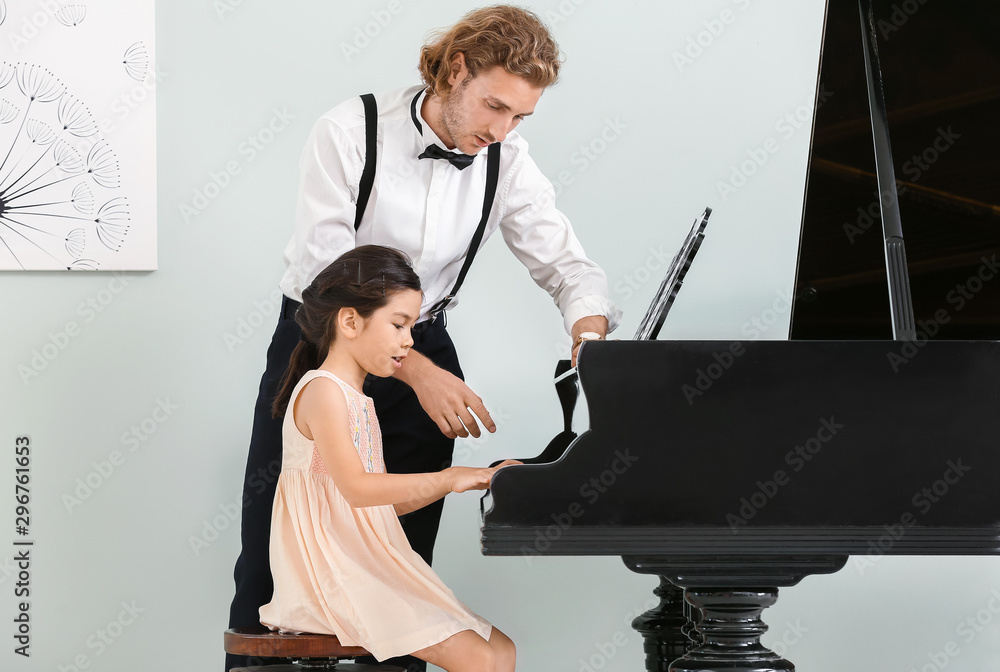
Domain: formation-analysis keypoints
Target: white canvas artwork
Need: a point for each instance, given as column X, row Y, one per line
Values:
column 77, row 135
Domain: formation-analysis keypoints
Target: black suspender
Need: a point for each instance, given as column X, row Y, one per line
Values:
column 368, row 181
column 492, row 177
column 371, row 150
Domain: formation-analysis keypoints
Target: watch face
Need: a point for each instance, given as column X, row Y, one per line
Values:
column 590, row 336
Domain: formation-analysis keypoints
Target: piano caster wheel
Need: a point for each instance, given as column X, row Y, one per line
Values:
column 731, row 628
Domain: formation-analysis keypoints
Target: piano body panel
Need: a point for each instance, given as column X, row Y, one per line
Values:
column 800, row 446
column 736, row 571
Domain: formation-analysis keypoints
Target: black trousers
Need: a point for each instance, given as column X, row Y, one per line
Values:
column 412, row 443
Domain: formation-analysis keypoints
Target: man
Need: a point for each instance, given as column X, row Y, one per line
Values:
column 433, row 190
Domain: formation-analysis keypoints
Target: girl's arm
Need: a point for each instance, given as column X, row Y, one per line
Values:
column 414, row 504
column 466, row 478
column 320, row 413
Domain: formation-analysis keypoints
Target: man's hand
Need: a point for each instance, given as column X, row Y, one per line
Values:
column 595, row 323
column 449, row 402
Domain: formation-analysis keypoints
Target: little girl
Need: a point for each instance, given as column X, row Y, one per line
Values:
column 341, row 562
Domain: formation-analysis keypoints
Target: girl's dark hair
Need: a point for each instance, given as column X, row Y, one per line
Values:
column 364, row 279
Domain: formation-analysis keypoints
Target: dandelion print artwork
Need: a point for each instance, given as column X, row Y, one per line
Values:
column 136, row 61
column 77, row 140
column 46, row 185
column 71, row 15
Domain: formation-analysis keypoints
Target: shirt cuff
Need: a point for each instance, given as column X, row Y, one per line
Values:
column 594, row 304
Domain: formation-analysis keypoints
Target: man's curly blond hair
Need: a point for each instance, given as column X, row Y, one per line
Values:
column 502, row 35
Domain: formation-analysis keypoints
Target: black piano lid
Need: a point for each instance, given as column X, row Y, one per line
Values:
column 805, row 446
column 941, row 73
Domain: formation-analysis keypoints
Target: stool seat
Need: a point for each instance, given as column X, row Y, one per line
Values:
column 261, row 642
column 311, row 651
column 341, row 667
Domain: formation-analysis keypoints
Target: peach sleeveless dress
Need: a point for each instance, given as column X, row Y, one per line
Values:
column 347, row 571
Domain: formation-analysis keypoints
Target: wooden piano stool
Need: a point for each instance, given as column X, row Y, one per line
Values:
column 309, row 652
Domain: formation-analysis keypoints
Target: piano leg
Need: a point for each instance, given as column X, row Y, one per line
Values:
column 663, row 628
column 729, row 593
column 690, row 629
column 731, row 627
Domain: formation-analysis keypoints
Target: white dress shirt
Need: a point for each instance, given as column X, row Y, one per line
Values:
column 429, row 209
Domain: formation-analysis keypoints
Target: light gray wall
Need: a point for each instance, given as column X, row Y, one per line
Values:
column 189, row 339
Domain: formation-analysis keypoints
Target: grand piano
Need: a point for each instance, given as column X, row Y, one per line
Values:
column 733, row 469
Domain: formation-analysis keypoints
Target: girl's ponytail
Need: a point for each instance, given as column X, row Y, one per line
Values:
column 304, row 358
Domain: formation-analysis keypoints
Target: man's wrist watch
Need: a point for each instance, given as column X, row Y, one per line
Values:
column 588, row 336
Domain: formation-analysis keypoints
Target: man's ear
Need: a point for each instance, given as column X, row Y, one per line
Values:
column 459, row 71
column 349, row 322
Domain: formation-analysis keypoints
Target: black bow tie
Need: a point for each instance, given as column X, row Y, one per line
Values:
column 460, row 161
